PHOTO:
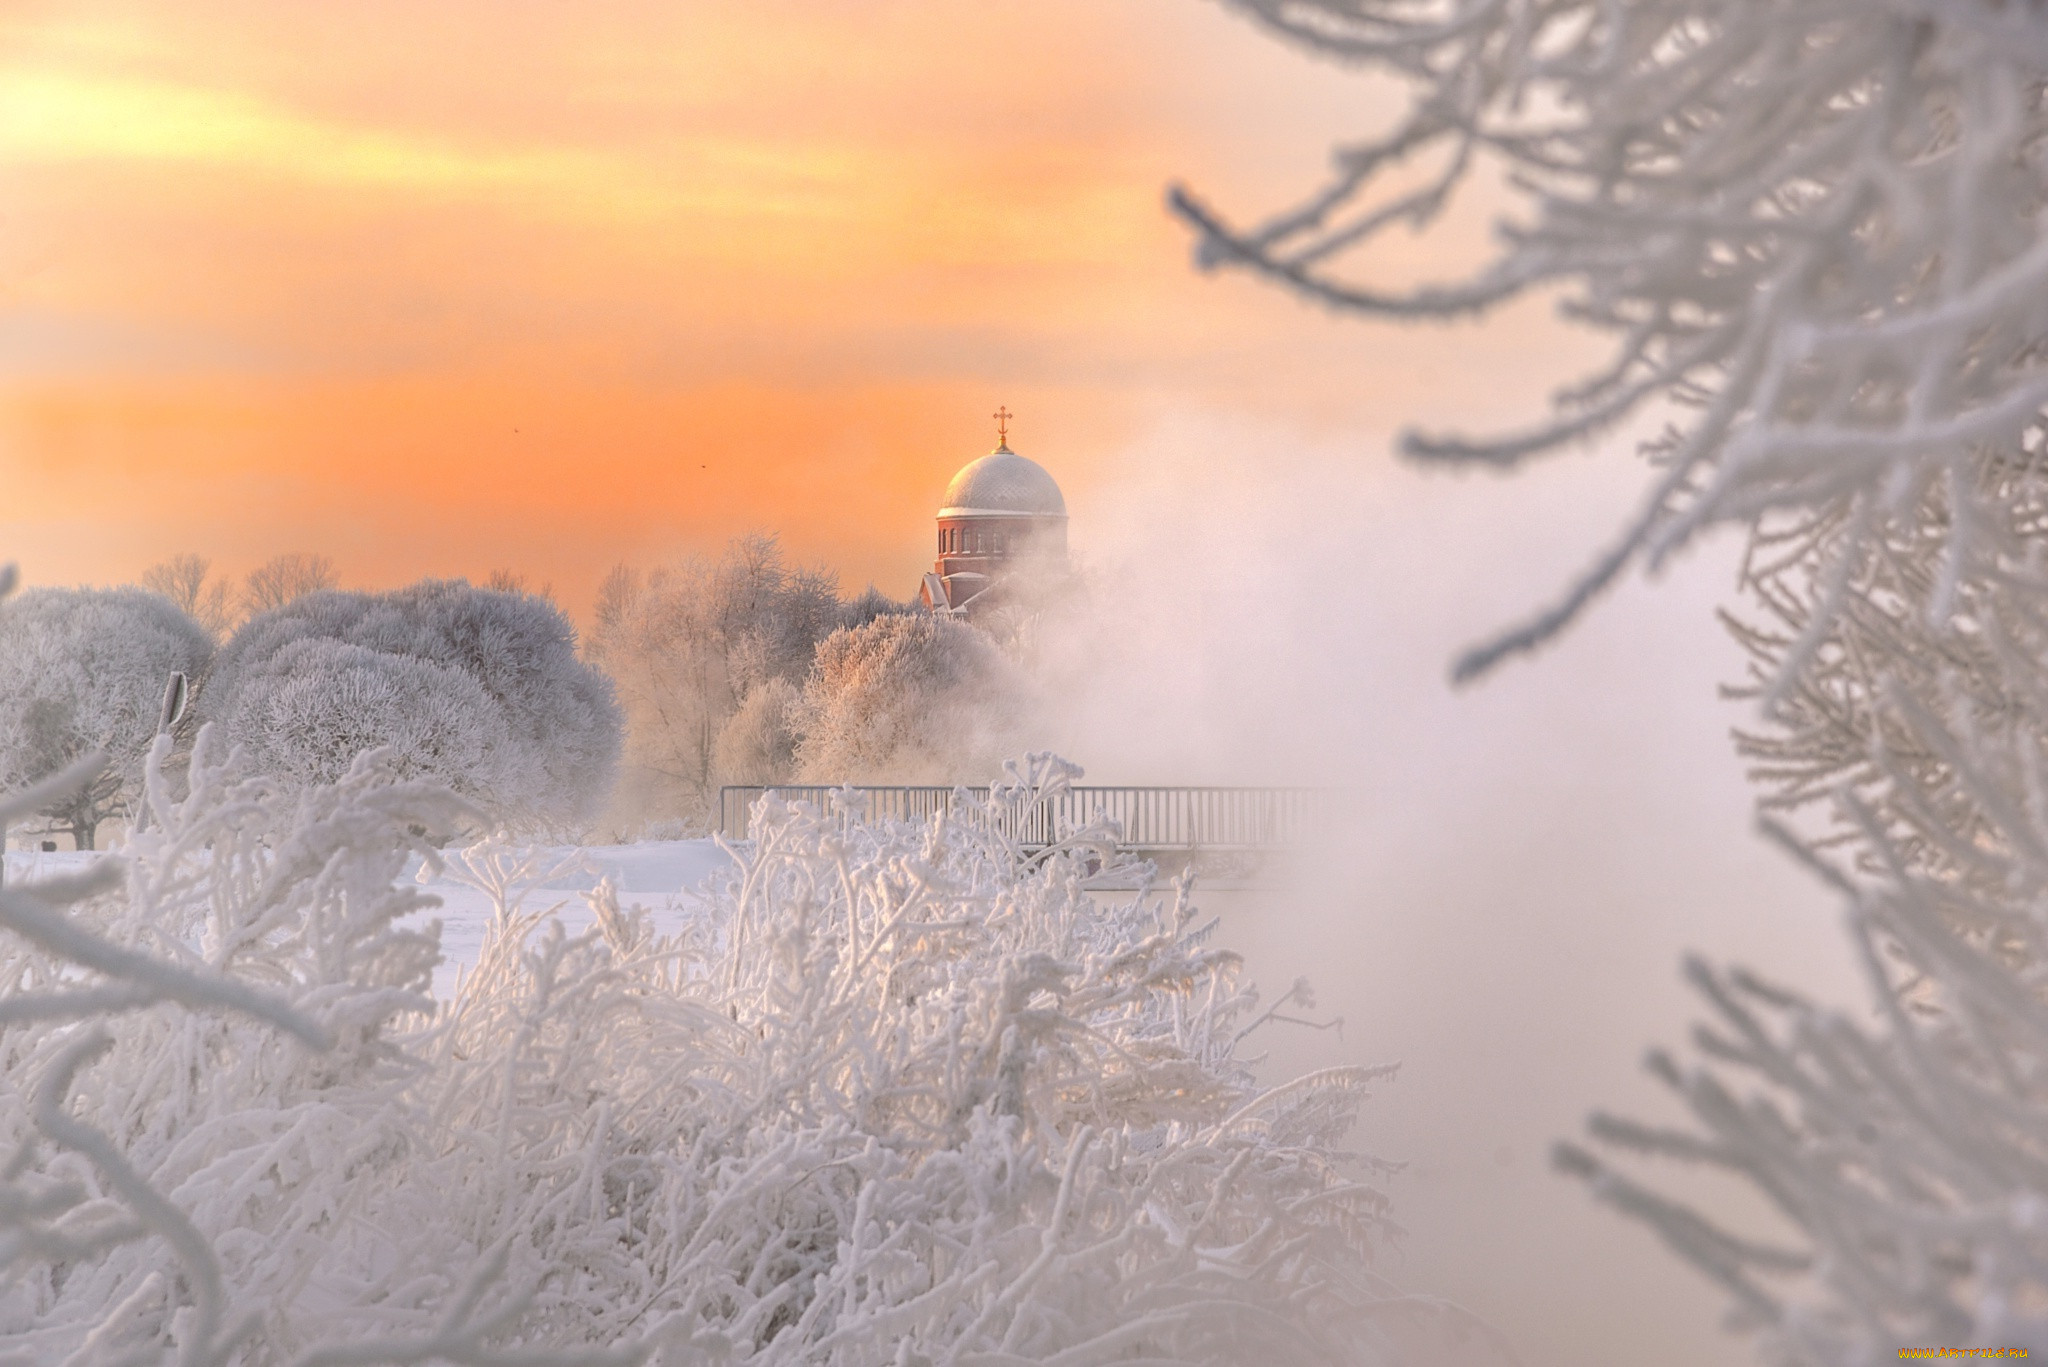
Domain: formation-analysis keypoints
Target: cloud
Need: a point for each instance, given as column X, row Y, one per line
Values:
column 56, row 116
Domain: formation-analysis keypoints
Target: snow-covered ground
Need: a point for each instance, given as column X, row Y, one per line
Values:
column 664, row 876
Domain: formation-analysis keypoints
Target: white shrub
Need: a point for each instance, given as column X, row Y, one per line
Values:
column 478, row 688
column 202, row 1048
column 936, row 1103
column 319, row 703
column 907, row 1095
column 83, row 671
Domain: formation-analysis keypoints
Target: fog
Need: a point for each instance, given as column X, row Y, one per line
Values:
column 1531, row 855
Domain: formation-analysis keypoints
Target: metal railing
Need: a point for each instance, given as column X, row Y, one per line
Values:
column 1149, row 818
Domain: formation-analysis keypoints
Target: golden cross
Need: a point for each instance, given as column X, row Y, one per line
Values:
column 1002, row 417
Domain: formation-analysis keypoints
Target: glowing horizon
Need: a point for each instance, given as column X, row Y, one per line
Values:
column 440, row 290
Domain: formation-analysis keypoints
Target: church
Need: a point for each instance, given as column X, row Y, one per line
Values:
column 1002, row 527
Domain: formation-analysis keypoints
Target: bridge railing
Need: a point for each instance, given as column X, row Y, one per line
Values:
column 1150, row 818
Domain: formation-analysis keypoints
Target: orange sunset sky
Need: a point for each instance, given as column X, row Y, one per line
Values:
column 445, row 286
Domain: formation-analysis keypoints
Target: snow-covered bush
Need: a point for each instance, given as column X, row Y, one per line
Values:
column 910, row 699
column 480, row 689
column 84, row 671
column 911, row 1095
column 201, row 1045
column 903, row 1095
column 318, row 703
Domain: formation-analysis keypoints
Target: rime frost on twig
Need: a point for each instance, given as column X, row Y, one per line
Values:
column 1906, row 763
column 1814, row 229
column 197, row 1050
column 901, row 1094
column 908, row 1095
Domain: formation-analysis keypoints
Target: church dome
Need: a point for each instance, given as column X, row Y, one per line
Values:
column 1004, row 482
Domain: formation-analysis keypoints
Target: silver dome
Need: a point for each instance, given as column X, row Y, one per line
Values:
column 1003, row 482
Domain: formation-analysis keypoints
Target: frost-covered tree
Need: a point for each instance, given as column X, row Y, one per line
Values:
column 910, row 698
column 689, row 645
column 480, row 689
column 84, row 671
column 758, row 742
column 188, row 581
column 283, row 579
column 1816, row 230
column 511, row 581
column 871, row 603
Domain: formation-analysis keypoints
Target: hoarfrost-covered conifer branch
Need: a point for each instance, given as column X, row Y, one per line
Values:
column 1814, row 228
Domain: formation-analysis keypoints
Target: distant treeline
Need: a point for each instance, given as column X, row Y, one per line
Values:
column 744, row 669
column 736, row 669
